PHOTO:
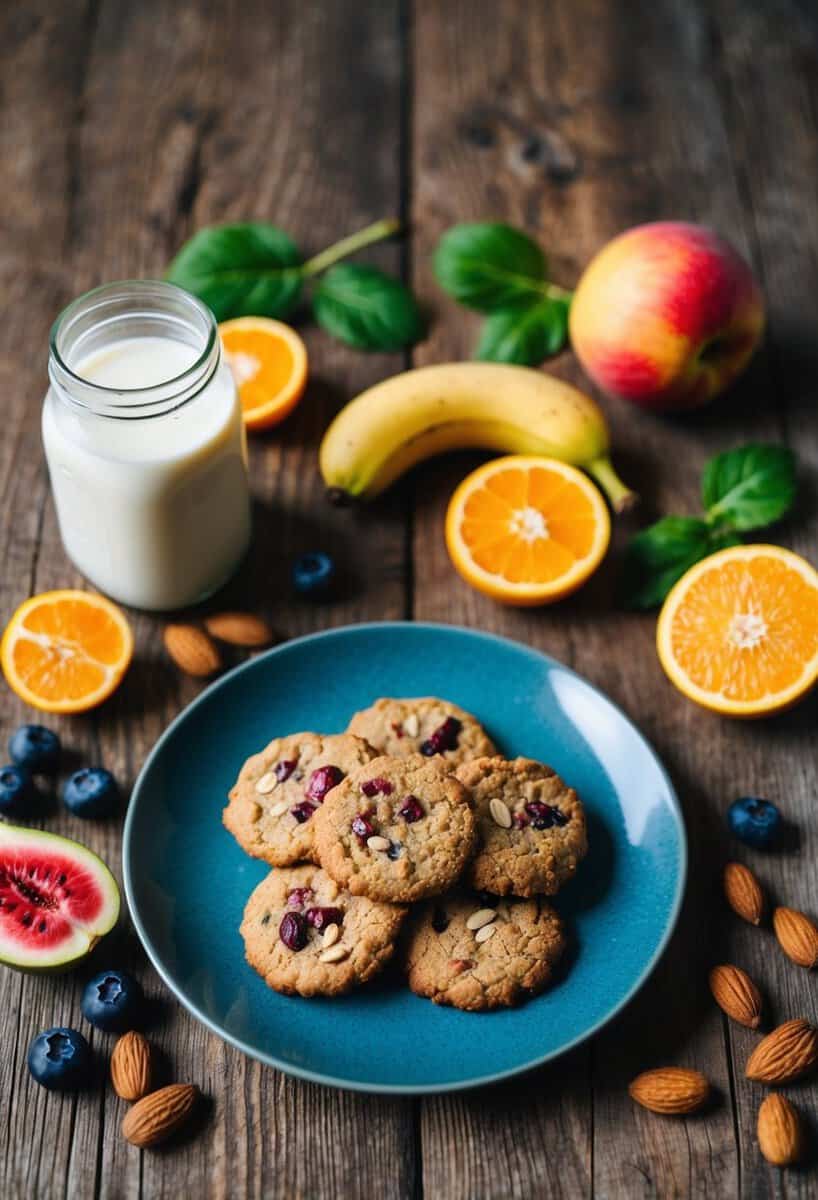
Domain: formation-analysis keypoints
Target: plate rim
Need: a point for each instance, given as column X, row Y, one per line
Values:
column 390, row 1088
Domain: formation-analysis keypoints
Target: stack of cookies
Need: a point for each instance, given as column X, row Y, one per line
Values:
column 412, row 806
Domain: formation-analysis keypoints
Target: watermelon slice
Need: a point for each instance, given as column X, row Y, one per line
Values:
column 57, row 899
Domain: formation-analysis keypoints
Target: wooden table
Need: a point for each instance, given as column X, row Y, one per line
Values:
column 129, row 123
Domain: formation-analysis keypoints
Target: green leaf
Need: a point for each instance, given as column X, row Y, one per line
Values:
column 749, row 487
column 367, row 309
column 525, row 333
column 250, row 269
column 658, row 556
column 486, row 265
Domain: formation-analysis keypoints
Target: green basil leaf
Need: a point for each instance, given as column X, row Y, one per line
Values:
column 366, row 308
column 251, row 269
column 658, row 556
column 486, row 265
column 749, row 487
column 524, row 333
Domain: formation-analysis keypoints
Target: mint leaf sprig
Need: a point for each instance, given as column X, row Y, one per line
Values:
column 254, row 269
column 743, row 489
column 502, row 272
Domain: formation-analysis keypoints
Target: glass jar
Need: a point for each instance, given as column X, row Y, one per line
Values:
column 145, row 445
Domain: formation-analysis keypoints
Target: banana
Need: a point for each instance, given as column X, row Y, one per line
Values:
column 400, row 422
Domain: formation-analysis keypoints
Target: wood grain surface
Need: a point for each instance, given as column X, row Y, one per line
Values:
column 125, row 125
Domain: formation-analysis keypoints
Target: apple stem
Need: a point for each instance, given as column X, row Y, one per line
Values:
column 621, row 497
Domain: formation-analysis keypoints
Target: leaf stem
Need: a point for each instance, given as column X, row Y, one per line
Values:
column 554, row 292
column 350, row 245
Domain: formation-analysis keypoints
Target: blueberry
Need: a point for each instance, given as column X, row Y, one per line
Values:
column 17, row 791
column 60, row 1059
column 754, row 821
column 35, row 747
column 313, row 573
column 113, row 1001
column 91, row 792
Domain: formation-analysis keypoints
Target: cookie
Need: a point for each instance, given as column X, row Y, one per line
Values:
column 464, row 952
column 278, row 791
column 397, row 829
column 305, row 935
column 426, row 726
column 531, row 827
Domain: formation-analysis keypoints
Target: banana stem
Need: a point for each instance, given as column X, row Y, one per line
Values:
column 350, row 245
column 621, row 497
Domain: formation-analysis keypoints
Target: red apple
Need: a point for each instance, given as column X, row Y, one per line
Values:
column 666, row 315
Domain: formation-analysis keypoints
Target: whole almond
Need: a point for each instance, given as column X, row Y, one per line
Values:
column 192, row 650
column 789, row 1051
column 131, row 1066
column 239, row 629
column 159, row 1114
column 673, row 1091
column 797, row 936
column 737, row 995
column 744, row 893
column 780, row 1133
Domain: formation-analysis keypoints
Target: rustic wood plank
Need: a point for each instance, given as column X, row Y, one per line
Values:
column 765, row 64
column 482, row 95
column 41, row 62
column 177, row 116
column 576, row 138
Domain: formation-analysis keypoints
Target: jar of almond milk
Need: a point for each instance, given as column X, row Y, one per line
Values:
column 145, row 444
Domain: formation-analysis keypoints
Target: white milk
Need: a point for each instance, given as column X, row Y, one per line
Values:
column 153, row 509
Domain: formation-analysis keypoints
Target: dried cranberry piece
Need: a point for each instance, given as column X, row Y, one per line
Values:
column 362, row 827
column 542, row 815
column 411, row 810
column 298, row 897
column 320, row 918
column 398, row 728
column 520, row 820
column 323, row 780
column 440, row 921
column 443, row 738
column 559, row 816
column 303, row 811
column 377, row 787
column 284, row 769
column 293, row 931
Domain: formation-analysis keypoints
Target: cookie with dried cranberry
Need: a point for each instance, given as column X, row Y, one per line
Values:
column 424, row 726
column 531, row 827
column 305, row 935
column 278, row 792
column 397, row 829
column 475, row 955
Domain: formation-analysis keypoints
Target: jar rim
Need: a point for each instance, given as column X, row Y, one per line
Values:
column 178, row 385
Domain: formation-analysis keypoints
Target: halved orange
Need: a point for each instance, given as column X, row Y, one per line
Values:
column 66, row 651
column 527, row 530
column 269, row 364
column 739, row 631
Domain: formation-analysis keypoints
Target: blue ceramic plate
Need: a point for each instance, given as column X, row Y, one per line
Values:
column 187, row 881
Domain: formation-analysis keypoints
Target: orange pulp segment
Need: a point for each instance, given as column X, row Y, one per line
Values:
column 269, row 364
column 527, row 530
column 66, row 651
column 738, row 633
